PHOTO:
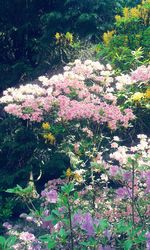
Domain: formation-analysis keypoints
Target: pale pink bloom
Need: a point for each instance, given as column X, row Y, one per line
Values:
column 114, row 145
column 26, row 236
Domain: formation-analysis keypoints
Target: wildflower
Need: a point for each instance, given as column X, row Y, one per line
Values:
column 46, row 125
column 147, row 94
column 116, row 138
column 137, row 96
column 69, row 37
column 52, row 196
column 77, row 219
column 57, row 36
column 7, row 225
column 117, row 18
column 113, row 171
column 114, row 145
column 88, row 224
column 107, row 36
column 77, row 177
column 28, row 237
column 122, row 192
column 134, row 12
column 126, row 12
column 68, row 172
column 49, row 137
column 104, row 177
column 148, row 240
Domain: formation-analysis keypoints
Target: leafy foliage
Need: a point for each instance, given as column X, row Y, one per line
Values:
column 27, row 43
column 128, row 45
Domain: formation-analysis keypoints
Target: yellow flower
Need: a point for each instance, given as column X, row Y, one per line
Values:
column 68, row 172
column 77, row 177
column 137, row 96
column 49, row 137
column 57, row 36
column 69, row 37
column 134, row 12
column 107, row 36
column 126, row 12
column 46, row 125
column 147, row 94
column 117, row 18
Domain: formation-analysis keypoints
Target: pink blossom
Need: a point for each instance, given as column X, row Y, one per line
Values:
column 113, row 170
column 26, row 236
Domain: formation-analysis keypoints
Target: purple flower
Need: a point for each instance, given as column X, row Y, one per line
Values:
column 113, row 170
column 77, row 219
column 47, row 224
column 148, row 240
column 52, row 196
column 148, row 182
column 7, row 225
column 127, row 176
column 87, row 224
column 122, row 192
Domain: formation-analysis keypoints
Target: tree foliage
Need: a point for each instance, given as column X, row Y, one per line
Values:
column 27, row 30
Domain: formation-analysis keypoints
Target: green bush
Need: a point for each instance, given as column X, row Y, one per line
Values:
column 127, row 46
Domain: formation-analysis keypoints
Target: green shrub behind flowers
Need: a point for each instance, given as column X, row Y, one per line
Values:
column 128, row 44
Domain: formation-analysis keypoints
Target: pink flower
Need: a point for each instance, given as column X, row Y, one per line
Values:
column 114, row 145
column 122, row 192
column 113, row 170
column 26, row 236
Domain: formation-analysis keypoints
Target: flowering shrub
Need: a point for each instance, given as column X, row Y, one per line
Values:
column 102, row 203
column 83, row 92
column 135, row 87
column 127, row 45
column 96, row 216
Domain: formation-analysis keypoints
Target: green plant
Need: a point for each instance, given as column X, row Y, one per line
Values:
column 128, row 45
column 7, row 243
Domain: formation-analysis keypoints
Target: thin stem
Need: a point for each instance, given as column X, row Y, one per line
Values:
column 132, row 198
column 71, row 228
column 93, row 191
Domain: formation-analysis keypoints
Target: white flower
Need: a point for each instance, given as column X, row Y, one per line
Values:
column 44, row 80
column 66, row 68
column 104, row 177
column 108, row 66
column 87, row 62
column 142, row 136
column 77, row 61
column 116, row 138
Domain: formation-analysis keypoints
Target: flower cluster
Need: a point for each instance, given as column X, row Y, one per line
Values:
column 138, row 12
column 63, row 38
column 107, row 36
column 84, row 91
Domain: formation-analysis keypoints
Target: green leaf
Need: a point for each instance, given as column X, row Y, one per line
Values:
column 11, row 241
column 127, row 244
column 44, row 238
column 76, row 196
column 2, row 240
column 63, row 233
column 51, row 244
column 68, row 188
